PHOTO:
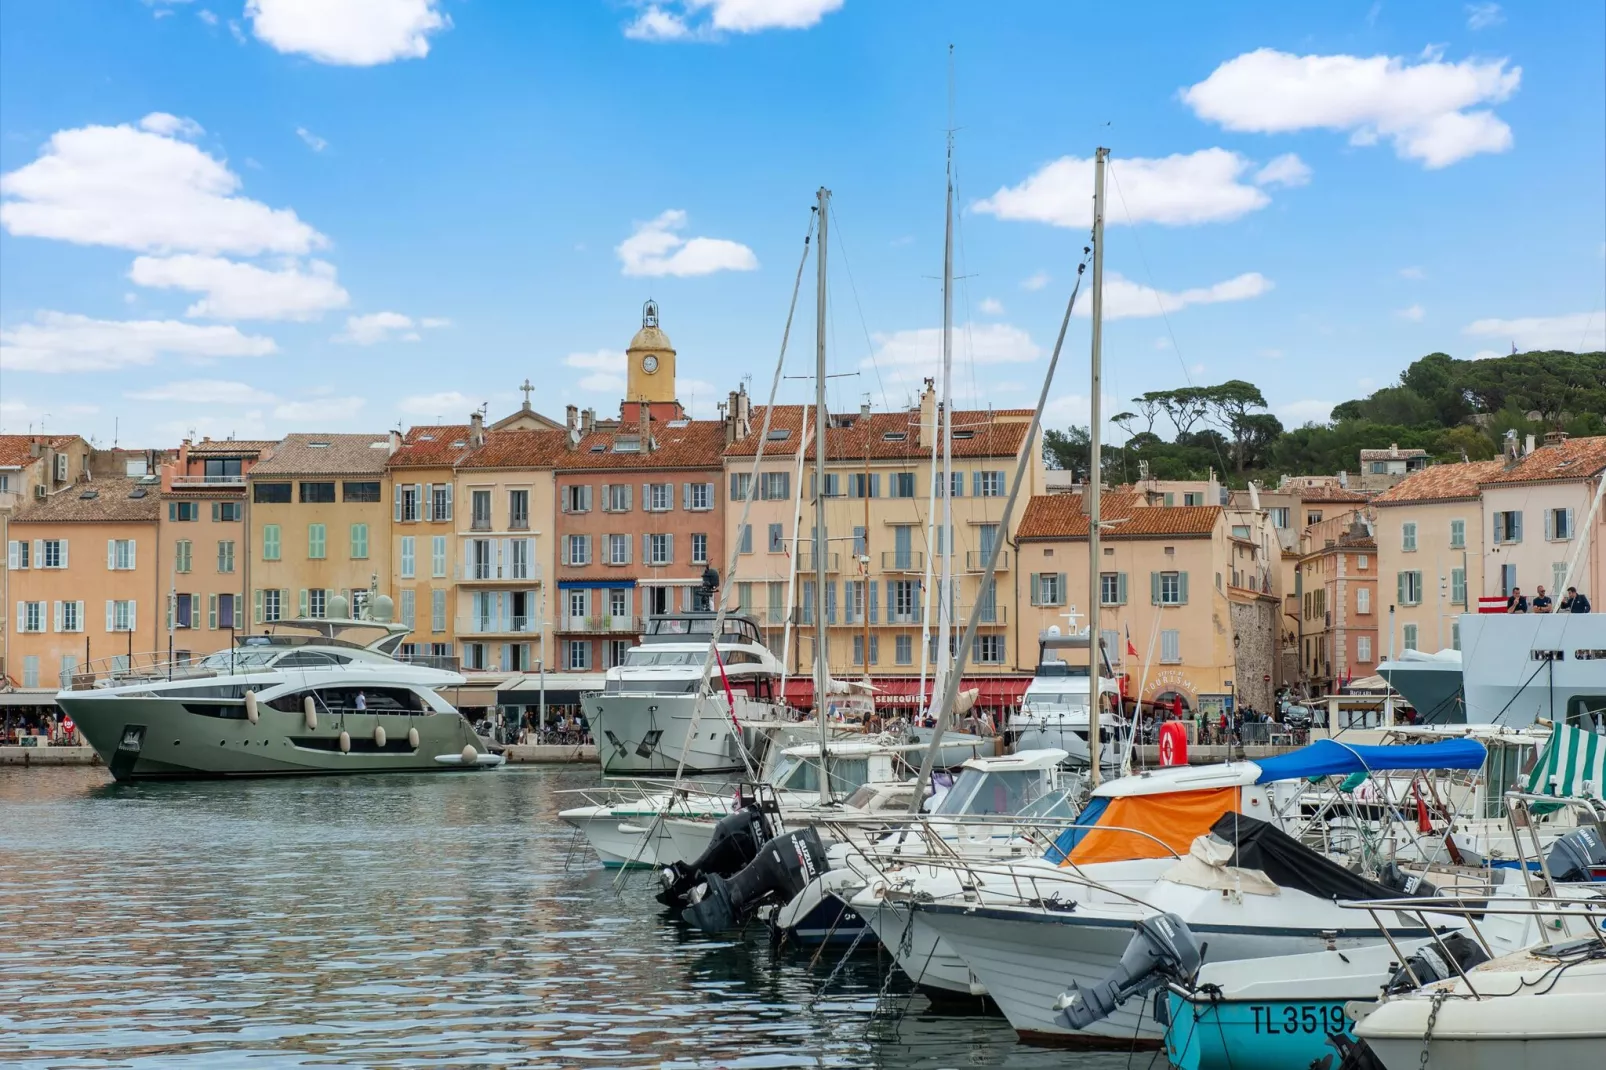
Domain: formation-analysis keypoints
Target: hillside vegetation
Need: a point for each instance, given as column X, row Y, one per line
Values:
column 1451, row 408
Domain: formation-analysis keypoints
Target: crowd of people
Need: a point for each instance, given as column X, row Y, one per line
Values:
column 1574, row 601
column 57, row 731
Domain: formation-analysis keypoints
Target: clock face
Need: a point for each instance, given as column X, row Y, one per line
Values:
column 649, row 364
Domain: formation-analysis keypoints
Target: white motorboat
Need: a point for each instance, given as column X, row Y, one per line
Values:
column 1522, row 667
column 1054, row 709
column 656, row 715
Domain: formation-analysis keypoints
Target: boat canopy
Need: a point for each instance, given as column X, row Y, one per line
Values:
column 1328, row 757
column 1573, row 764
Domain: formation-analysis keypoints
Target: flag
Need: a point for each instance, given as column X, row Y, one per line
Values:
column 1131, row 651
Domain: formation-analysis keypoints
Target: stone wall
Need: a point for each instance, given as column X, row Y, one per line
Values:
column 1254, row 624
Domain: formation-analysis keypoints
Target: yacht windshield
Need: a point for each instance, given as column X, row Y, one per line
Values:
column 643, row 656
column 242, row 660
column 796, row 773
column 978, row 792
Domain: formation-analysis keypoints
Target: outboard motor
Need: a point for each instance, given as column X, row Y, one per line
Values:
column 784, row 867
column 1429, row 964
column 1163, row 950
column 1409, row 885
column 736, row 842
column 1576, row 855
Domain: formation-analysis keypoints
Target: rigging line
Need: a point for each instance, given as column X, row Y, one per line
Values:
column 836, row 221
column 970, row 345
column 1143, row 257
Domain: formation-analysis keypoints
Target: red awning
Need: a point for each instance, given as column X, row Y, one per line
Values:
column 995, row 691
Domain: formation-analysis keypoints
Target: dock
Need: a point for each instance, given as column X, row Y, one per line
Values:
column 546, row 753
column 31, row 756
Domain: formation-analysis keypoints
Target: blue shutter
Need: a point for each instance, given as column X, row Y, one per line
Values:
column 875, row 609
column 975, row 484
column 830, row 601
column 1516, row 533
column 1120, row 588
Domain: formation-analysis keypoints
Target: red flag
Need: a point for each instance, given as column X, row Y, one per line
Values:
column 729, row 697
column 1131, row 651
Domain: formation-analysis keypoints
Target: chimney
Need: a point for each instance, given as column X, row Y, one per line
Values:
column 394, row 443
column 644, row 424
column 1555, row 438
column 1343, row 479
column 928, row 414
column 476, row 430
column 1527, row 445
column 1394, row 449
column 573, row 418
column 588, row 421
column 732, row 415
column 864, row 411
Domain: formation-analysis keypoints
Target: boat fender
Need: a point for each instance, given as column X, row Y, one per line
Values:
column 310, row 712
column 1162, row 950
column 345, row 742
column 379, row 736
column 412, row 738
column 251, row 706
column 470, row 755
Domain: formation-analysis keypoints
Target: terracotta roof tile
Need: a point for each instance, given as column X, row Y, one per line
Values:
column 109, row 499
column 1329, row 494
column 1576, row 458
column 1440, row 483
column 696, row 444
column 991, row 433
column 432, row 446
column 517, row 449
column 16, row 451
column 301, row 455
column 1060, row 516
column 231, row 446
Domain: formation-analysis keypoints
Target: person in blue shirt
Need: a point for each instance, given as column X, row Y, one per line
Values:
column 1574, row 602
column 1516, row 601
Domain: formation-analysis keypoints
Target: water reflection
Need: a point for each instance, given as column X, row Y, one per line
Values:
column 401, row 922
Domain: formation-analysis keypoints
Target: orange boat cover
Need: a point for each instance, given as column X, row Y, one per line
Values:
column 1173, row 819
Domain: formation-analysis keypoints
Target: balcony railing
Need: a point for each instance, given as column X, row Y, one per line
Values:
column 806, row 562
column 903, row 561
column 490, row 572
column 976, row 560
column 208, row 481
column 626, row 624
column 480, row 523
column 444, row 662
column 485, row 625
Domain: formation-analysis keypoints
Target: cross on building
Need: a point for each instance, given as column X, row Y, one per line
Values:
column 527, row 388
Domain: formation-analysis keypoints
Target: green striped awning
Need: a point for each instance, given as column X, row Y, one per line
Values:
column 1573, row 765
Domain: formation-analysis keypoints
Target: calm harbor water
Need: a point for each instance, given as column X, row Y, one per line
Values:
column 426, row 921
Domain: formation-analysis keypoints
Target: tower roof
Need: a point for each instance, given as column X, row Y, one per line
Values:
column 650, row 336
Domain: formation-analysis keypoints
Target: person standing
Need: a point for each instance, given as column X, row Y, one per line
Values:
column 1574, row 602
column 1516, row 601
column 1541, row 600
column 362, row 702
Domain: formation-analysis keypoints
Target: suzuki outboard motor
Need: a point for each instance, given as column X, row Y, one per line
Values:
column 1575, row 855
column 1429, row 964
column 736, row 842
column 1163, row 950
column 784, row 867
column 1407, row 884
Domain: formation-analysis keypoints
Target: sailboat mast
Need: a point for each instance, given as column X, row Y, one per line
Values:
column 945, row 588
column 821, row 423
column 1095, row 741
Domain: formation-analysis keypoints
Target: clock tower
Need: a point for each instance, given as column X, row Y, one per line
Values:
column 650, row 366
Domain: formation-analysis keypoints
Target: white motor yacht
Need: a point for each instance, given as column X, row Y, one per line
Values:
column 1054, row 710
column 309, row 695
column 1431, row 683
column 656, row 717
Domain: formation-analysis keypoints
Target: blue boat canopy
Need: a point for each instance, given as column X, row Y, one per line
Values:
column 1327, row 757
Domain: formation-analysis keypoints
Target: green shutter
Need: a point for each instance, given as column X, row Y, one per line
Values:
column 1120, row 588
column 1182, row 588
column 1399, row 588
column 1036, row 596
column 1154, row 588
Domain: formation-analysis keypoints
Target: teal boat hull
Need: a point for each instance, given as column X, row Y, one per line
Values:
column 1268, row 1035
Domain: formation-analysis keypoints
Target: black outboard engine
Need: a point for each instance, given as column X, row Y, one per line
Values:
column 1163, row 950
column 1409, row 885
column 736, row 841
column 1430, row 963
column 1575, row 855
column 784, row 867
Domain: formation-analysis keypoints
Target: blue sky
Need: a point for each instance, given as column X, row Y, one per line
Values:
column 291, row 215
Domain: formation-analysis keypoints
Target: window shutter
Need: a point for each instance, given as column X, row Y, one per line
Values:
column 448, row 515
column 736, row 486
column 1550, row 525
column 1516, row 535
column 1571, row 534
column 1182, row 588
column 13, row 555
column 585, row 498
column 302, row 603
column 669, row 548
column 395, row 511
column 111, row 552
column 429, row 501
column 646, row 497
column 1399, row 588
column 64, row 550
column 211, row 611
column 685, row 496
column 830, row 601
column 1154, row 588
column 646, row 549
column 711, row 488
column 875, row 484
column 1033, row 588
column 875, row 599
column 1120, row 588
column 214, row 512
column 111, row 617
column 256, row 606
column 56, row 624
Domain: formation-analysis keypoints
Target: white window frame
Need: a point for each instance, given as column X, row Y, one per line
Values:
column 1363, row 648
column 577, row 549
column 699, row 548
column 659, row 550
column 702, row 497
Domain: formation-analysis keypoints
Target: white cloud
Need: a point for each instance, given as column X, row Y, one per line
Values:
column 1414, row 313
column 656, row 249
column 1035, row 281
column 700, row 397
column 904, row 358
column 1299, row 413
column 204, row 392
column 143, row 189
column 63, row 342
column 243, row 291
column 378, row 327
column 1200, row 187
column 206, row 17
column 321, row 410
column 1425, row 109
column 1579, row 332
column 162, row 124
column 991, row 306
column 444, row 403
column 1125, row 299
column 679, row 20
column 1488, row 354
column 1482, row 16
column 430, row 323
column 605, row 370
column 1286, row 170
column 353, row 33
column 314, row 142
column 1414, row 273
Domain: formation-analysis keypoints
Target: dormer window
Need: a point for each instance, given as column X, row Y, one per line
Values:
column 779, row 434
column 894, row 436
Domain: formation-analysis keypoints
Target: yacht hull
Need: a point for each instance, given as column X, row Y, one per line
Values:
column 662, row 735
column 925, row 957
column 157, row 738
